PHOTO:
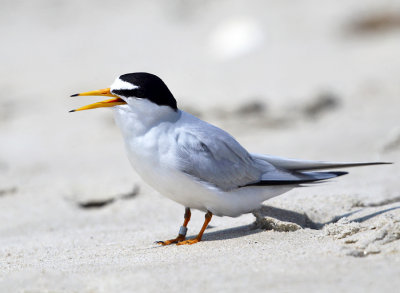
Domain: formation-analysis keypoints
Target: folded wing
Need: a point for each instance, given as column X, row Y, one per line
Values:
column 211, row 155
column 217, row 159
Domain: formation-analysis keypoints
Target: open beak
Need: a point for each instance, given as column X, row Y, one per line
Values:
column 107, row 103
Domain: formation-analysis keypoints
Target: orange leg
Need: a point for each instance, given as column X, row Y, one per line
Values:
column 182, row 231
column 200, row 235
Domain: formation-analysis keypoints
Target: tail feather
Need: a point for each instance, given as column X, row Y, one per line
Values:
column 305, row 165
column 295, row 172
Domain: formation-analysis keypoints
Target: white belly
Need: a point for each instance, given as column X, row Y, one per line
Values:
column 194, row 194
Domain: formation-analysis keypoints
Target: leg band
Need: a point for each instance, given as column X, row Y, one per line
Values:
column 183, row 231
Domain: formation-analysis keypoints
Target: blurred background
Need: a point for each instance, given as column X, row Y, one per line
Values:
column 309, row 79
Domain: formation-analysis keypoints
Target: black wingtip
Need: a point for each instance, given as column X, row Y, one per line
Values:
column 378, row 163
column 71, row 111
column 338, row 173
column 74, row 95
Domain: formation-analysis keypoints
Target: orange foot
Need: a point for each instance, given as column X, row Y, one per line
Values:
column 189, row 242
column 178, row 239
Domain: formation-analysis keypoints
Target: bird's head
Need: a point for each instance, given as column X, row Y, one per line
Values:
column 132, row 87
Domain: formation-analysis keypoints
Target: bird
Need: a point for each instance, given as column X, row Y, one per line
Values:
column 194, row 163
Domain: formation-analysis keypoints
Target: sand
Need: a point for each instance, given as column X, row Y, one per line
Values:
column 301, row 80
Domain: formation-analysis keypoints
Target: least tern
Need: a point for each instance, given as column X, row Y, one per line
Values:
column 193, row 162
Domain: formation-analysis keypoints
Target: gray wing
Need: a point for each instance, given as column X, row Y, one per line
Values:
column 223, row 162
column 211, row 155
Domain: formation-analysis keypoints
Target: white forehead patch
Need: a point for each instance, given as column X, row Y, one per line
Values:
column 119, row 84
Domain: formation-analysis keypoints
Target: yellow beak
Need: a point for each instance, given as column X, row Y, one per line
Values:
column 107, row 103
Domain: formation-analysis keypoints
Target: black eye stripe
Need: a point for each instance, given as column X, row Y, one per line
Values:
column 125, row 93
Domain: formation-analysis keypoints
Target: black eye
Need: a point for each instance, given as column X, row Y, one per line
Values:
column 131, row 93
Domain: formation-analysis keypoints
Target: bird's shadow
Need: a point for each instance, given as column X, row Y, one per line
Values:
column 284, row 215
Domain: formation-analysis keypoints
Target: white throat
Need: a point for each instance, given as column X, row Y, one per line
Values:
column 139, row 116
